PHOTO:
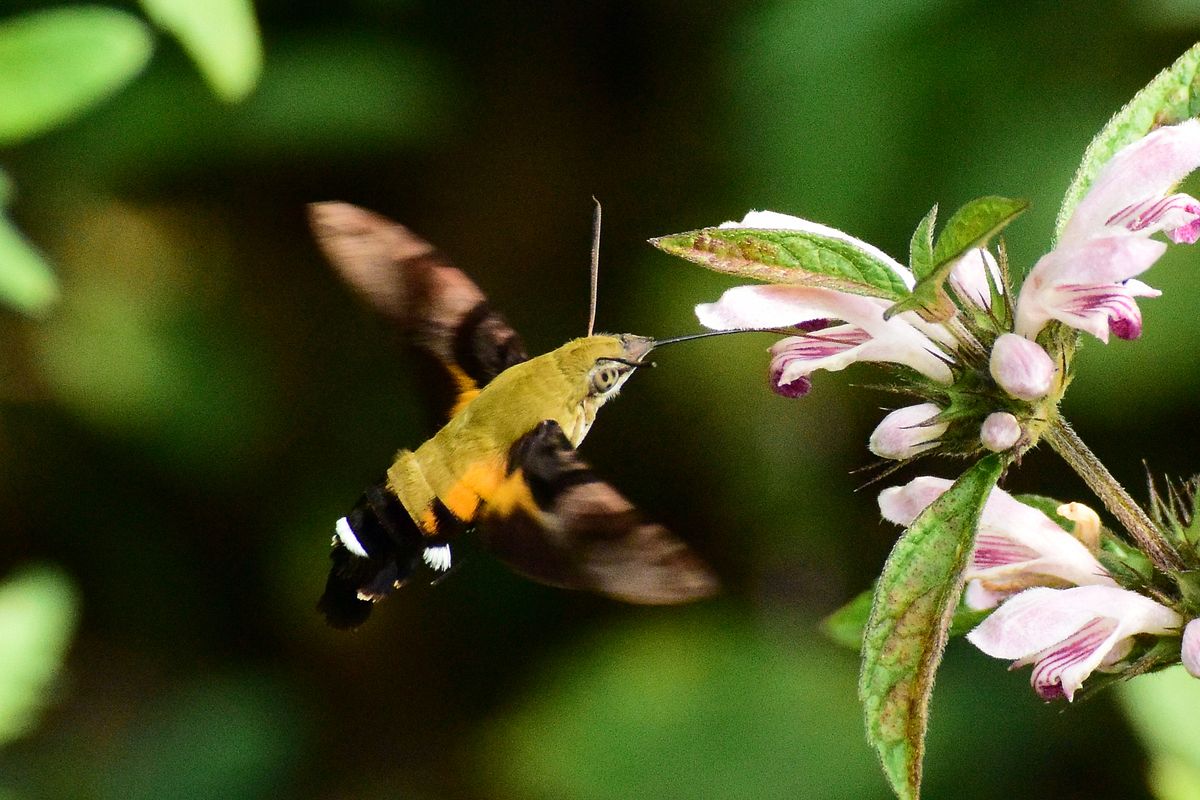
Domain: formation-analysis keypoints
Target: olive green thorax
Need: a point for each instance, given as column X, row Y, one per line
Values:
column 567, row 385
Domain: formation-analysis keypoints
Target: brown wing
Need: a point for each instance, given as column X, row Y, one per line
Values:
column 410, row 282
column 554, row 521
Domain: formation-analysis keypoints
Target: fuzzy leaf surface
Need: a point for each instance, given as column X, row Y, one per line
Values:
column 915, row 601
column 801, row 258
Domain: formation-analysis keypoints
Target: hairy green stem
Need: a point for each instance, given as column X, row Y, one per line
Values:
column 1063, row 439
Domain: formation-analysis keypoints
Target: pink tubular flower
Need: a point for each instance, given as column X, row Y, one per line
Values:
column 1068, row 633
column 835, row 329
column 1016, row 546
column 1087, row 281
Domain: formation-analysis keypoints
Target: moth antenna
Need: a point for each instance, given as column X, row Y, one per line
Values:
column 595, row 264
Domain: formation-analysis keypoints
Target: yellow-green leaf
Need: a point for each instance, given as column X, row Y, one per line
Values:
column 55, row 64
column 221, row 36
column 38, row 611
column 26, row 280
column 906, row 632
column 803, row 258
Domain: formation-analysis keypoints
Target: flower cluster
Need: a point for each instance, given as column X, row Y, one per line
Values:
column 988, row 365
column 1086, row 282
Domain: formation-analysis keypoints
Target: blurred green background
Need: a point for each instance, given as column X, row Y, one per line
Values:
column 179, row 430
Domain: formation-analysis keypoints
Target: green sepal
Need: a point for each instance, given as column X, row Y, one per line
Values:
column 970, row 227
column 1172, row 97
column 801, row 258
column 1146, row 658
column 920, row 246
column 846, row 625
column 909, row 623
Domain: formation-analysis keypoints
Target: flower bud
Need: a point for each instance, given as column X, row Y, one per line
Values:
column 1021, row 367
column 907, row 431
column 999, row 431
column 1191, row 648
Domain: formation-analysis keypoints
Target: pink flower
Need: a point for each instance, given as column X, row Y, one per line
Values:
column 1087, row 281
column 1068, row 633
column 834, row 329
column 1016, row 546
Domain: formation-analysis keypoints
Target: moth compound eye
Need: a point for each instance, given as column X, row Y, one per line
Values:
column 604, row 379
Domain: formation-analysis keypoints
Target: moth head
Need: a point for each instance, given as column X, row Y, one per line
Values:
column 601, row 364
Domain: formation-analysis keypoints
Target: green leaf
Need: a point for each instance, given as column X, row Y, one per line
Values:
column 909, row 623
column 1172, row 97
column 974, row 225
column 221, row 36
column 26, row 280
column 802, row 258
column 920, row 247
column 846, row 625
column 38, row 611
column 55, row 64
column 970, row 227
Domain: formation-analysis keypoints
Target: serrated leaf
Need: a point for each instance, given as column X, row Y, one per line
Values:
column 974, row 225
column 920, row 247
column 54, row 64
column 38, row 611
column 970, row 227
column 1172, row 97
column 221, row 36
column 914, row 604
column 802, row 258
column 26, row 280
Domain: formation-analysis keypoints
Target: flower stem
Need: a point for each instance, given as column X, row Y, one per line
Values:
column 1063, row 439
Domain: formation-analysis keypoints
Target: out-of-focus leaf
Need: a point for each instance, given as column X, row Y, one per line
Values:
column 692, row 706
column 1163, row 708
column 232, row 737
column 143, row 346
column 38, row 611
column 26, row 280
column 1172, row 97
column 56, row 63
column 915, row 599
column 221, row 36
column 778, row 256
